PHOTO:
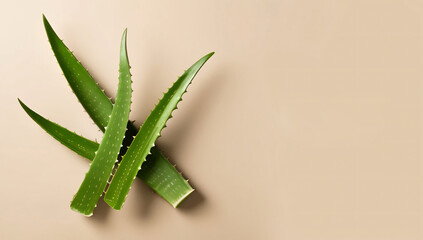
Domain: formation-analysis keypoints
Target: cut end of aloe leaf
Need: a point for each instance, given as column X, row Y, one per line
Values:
column 88, row 213
column 177, row 203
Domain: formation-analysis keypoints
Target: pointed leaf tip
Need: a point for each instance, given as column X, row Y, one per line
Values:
column 123, row 49
column 124, row 37
column 22, row 104
column 46, row 23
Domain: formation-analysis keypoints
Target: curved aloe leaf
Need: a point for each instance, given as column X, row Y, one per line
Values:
column 88, row 93
column 91, row 189
column 144, row 141
column 152, row 171
column 99, row 107
column 73, row 141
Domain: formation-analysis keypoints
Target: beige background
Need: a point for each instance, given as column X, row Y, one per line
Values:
column 306, row 124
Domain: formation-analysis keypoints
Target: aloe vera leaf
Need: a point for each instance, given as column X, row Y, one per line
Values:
column 167, row 183
column 152, row 171
column 95, row 181
column 100, row 106
column 86, row 90
column 73, row 141
column 144, row 140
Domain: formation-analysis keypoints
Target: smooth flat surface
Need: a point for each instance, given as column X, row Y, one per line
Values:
column 305, row 124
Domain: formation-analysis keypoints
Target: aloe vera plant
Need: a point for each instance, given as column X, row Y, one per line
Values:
column 99, row 107
column 144, row 140
column 112, row 119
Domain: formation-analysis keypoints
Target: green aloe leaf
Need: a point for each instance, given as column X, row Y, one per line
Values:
column 86, row 90
column 152, row 171
column 91, row 189
column 99, row 107
column 144, row 141
column 73, row 141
